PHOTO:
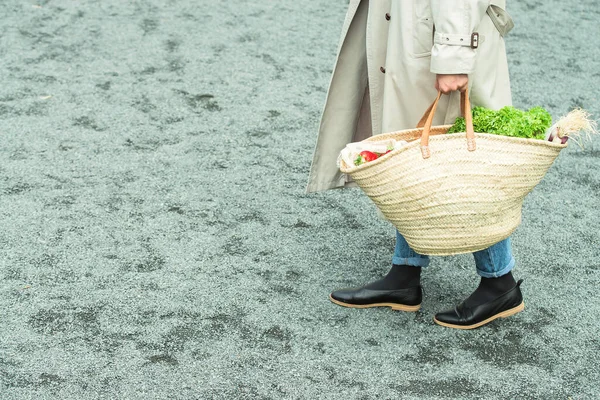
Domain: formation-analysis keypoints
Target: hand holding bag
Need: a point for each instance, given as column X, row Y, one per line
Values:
column 453, row 193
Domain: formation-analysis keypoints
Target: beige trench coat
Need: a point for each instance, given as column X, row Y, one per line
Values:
column 388, row 56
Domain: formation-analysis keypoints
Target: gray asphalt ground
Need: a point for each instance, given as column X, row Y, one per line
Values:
column 156, row 241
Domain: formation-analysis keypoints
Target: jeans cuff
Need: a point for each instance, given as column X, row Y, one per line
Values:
column 412, row 261
column 496, row 274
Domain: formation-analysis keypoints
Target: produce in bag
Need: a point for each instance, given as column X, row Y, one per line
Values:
column 532, row 124
column 358, row 153
column 572, row 125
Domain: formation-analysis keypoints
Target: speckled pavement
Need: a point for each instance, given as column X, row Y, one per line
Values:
column 156, row 241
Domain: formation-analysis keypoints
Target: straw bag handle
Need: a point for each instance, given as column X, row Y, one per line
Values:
column 426, row 113
column 427, row 120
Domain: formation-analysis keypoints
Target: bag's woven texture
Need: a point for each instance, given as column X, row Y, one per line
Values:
column 456, row 201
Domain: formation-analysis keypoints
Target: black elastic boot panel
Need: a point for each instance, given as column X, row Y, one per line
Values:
column 399, row 277
column 490, row 288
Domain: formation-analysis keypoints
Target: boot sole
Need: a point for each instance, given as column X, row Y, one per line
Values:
column 503, row 314
column 394, row 306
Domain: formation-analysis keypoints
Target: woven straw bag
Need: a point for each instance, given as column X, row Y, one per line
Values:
column 453, row 193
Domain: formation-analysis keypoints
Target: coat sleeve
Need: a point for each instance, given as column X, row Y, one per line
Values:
column 455, row 21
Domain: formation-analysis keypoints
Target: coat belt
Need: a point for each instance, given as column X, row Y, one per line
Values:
column 500, row 18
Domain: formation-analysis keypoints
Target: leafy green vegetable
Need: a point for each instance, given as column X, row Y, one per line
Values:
column 508, row 121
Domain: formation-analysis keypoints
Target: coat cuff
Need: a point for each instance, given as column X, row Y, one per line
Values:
column 448, row 59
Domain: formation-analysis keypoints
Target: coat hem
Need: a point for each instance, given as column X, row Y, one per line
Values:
column 322, row 186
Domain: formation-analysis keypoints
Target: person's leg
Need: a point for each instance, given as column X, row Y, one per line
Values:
column 399, row 289
column 406, row 268
column 495, row 261
column 498, row 295
column 404, row 255
column 494, row 266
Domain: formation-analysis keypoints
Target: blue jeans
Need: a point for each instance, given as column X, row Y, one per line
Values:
column 495, row 261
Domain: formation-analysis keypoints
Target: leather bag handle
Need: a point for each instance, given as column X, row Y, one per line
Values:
column 427, row 120
column 426, row 114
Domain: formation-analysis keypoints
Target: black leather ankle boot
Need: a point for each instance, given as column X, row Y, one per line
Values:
column 470, row 314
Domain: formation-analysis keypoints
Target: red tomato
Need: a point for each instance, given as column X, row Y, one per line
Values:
column 365, row 156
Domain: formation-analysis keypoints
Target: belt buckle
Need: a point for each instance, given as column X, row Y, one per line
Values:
column 474, row 40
